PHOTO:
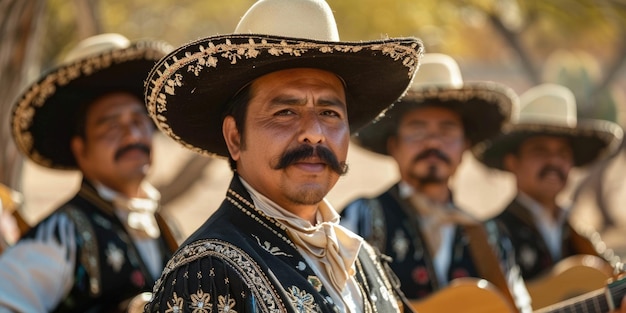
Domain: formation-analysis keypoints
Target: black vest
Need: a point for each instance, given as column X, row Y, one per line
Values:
column 531, row 251
column 243, row 260
column 109, row 270
column 391, row 225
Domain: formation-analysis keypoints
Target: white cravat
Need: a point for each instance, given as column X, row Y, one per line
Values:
column 438, row 224
column 330, row 248
column 137, row 213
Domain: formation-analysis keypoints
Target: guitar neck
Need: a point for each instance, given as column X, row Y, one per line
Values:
column 601, row 300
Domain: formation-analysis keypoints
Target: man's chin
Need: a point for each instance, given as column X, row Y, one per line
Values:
column 140, row 170
column 308, row 193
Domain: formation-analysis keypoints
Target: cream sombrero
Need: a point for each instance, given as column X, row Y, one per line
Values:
column 188, row 90
column 484, row 106
column 550, row 109
column 44, row 117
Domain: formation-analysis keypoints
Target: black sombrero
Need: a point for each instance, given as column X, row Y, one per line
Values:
column 188, row 89
column 44, row 117
column 484, row 107
column 550, row 110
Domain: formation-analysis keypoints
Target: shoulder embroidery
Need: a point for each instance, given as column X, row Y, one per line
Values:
column 379, row 226
column 89, row 253
column 200, row 302
column 387, row 290
column 175, row 305
column 250, row 272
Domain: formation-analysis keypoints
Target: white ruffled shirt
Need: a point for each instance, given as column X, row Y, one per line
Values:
column 330, row 249
column 443, row 255
column 551, row 229
column 35, row 275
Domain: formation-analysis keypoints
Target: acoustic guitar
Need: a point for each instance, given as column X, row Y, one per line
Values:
column 475, row 295
column 602, row 300
column 468, row 295
column 571, row 277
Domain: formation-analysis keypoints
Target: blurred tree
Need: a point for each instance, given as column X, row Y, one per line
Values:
column 20, row 33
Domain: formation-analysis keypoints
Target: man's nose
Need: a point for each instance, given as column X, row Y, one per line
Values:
column 135, row 131
column 312, row 130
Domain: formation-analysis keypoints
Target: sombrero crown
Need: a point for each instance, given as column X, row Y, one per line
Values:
column 550, row 110
column 44, row 118
column 189, row 89
column 484, row 106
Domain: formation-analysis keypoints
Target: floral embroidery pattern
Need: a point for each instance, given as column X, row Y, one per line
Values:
column 225, row 304
column 302, row 300
column 175, row 305
column 267, row 246
column 200, row 302
column 249, row 271
column 315, row 282
column 420, row 275
column 115, row 257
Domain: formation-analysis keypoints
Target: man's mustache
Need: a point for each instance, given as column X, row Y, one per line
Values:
column 303, row 152
column 138, row 146
column 432, row 152
column 550, row 168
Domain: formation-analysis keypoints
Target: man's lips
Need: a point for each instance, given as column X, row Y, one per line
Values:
column 133, row 153
column 311, row 165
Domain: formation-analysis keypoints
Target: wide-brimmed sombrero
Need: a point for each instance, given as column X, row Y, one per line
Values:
column 550, row 109
column 44, row 117
column 484, row 106
column 188, row 90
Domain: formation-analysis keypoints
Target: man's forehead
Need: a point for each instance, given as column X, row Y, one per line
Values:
column 116, row 103
column 546, row 141
column 293, row 86
column 431, row 114
column 297, row 74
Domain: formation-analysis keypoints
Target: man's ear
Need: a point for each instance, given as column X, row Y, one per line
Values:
column 509, row 162
column 77, row 145
column 232, row 137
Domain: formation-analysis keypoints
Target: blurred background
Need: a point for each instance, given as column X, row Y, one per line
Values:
column 577, row 43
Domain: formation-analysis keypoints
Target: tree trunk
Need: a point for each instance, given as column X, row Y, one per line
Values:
column 20, row 34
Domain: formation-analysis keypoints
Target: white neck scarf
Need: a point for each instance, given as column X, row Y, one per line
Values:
column 137, row 213
column 332, row 245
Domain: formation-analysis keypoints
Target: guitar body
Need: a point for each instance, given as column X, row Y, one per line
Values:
column 571, row 277
column 469, row 295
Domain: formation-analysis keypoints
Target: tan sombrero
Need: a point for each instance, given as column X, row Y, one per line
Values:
column 484, row 106
column 188, row 90
column 550, row 110
column 44, row 117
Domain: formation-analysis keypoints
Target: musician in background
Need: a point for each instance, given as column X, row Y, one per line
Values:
column 108, row 243
column 416, row 222
column 540, row 150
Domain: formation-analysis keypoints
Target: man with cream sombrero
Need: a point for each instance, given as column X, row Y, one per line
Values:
column 540, row 149
column 278, row 98
column 416, row 222
column 106, row 244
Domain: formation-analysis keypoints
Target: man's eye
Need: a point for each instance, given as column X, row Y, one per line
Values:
column 284, row 112
column 330, row 113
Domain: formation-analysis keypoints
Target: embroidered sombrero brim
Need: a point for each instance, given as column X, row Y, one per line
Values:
column 590, row 140
column 484, row 108
column 44, row 118
column 188, row 90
